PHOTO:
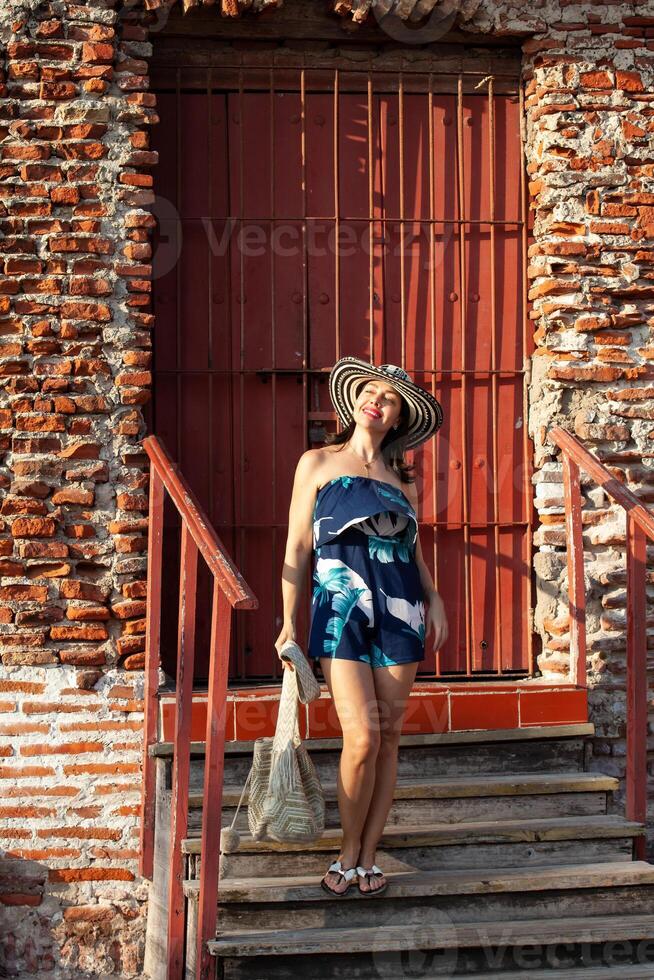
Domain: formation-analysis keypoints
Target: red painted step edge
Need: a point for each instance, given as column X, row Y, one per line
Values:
column 432, row 708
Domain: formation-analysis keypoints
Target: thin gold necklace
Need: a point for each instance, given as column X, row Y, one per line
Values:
column 367, row 465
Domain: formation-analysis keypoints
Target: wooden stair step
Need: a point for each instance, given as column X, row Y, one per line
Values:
column 440, row 935
column 477, row 831
column 533, row 733
column 415, row 884
column 519, row 784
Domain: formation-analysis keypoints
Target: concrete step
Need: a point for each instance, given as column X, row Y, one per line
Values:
column 456, row 798
column 432, row 846
column 413, row 897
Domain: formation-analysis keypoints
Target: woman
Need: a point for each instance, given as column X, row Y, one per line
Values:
column 374, row 602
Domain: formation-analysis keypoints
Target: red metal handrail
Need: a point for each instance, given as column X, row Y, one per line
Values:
column 230, row 591
column 640, row 524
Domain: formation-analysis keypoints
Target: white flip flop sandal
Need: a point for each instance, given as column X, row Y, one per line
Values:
column 348, row 875
column 371, row 873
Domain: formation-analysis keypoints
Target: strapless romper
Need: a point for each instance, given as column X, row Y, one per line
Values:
column 367, row 601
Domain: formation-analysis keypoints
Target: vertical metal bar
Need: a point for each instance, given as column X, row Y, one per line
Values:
column 182, row 752
column 214, row 767
column 497, row 652
column 152, row 655
column 432, row 316
column 371, row 224
column 178, row 269
column 576, row 588
column 464, row 377
column 637, row 693
column 241, row 354
column 305, row 263
column 527, row 460
column 402, row 257
column 228, row 354
column 273, row 356
column 210, row 377
column 337, row 230
column 306, row 388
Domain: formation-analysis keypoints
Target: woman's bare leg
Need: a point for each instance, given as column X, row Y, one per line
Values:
column 392, row 686
column 352, row 689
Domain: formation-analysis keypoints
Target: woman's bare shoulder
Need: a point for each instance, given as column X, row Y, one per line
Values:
column 310, row 464
column 314, row 464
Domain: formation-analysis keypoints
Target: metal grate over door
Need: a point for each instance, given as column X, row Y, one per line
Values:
column 305, row 213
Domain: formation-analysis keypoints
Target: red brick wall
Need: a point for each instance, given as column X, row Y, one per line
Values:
column 74, row 366
column 75, row 336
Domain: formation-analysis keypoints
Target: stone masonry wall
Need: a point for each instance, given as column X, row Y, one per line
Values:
column 589, row 86
column 75, row 343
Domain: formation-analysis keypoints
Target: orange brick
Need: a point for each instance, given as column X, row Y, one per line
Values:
column 66, row 748
column 117, row 789
column 83, row 833
column 595, row 80
column 128, row 706
column 90, row 874
column 630, row 81
column 83, row 658
column 11, row 791
column 89, row 913
column 101, row 726
column 78, row 692
column 53, row 707
column 85, row 812
column 23, row 728
column 20, row 772
column 12, row 812
column 78, row 633
column 115, row 853
column 99, row 769
column 23, row 687
column 37, row 593
column 34, row 527
column 45, row 853
column 64, row 195
column 121, row 691
column 127, row 811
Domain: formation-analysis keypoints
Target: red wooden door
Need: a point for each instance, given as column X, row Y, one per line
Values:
column 344, row 213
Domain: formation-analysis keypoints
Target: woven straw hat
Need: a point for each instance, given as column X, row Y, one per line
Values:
column 425, row 413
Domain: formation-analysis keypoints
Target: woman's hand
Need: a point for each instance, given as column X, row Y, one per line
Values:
column 436, row 620
column 287, row 633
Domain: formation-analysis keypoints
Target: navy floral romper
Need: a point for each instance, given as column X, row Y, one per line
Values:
column 367, row 602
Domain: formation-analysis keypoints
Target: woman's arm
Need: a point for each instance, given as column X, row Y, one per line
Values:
column 299, row 542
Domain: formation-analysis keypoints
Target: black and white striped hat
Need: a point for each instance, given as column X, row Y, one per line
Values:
column 425, row 413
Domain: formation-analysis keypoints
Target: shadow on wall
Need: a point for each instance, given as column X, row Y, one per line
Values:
column 46, row 927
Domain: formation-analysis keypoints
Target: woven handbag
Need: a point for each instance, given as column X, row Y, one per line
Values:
column 286, row 802
column 308, row 688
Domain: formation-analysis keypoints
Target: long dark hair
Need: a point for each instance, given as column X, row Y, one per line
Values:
column 392, row 447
